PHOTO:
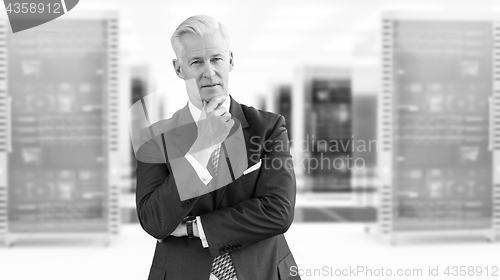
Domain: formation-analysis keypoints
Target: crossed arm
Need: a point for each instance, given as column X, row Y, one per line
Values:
column 268, row 213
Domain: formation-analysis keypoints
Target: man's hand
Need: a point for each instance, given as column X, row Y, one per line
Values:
column 214, row 126
column 181, row 230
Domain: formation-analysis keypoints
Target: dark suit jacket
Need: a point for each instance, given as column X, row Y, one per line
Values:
column 246, row 218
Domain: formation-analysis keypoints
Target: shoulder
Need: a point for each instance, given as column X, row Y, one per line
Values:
column 256, row 117
column 264, row 124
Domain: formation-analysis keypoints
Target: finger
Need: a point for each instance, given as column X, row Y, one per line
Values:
column 210, row 107
column 214, row 103
column 220, row 111
column 230, row 123
column 224, row 109
column 225, row 118
column 219, row 99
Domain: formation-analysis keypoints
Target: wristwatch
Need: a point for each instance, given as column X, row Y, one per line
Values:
column 190, row 220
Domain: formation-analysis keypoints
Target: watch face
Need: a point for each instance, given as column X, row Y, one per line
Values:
column 189, row 218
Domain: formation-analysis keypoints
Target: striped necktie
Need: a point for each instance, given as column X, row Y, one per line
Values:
column 214, row 159
column 222, row 267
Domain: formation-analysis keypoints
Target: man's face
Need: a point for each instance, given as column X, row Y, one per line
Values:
column 204, row 64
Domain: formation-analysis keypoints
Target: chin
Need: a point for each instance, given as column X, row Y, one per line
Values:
column 209, row 96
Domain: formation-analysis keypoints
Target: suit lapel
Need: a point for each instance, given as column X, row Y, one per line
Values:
column 232, row 144
column 237, row 113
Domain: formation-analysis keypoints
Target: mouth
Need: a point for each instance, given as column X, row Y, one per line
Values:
column 210, row 85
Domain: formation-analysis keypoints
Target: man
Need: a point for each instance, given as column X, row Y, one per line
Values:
column 234, row 229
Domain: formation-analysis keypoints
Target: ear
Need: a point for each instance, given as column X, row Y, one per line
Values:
column 177, row 68
column 231, row 61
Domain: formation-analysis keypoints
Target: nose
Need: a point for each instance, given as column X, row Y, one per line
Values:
column 208, row 71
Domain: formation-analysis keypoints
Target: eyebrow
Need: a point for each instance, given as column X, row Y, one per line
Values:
column 193, row 58
column 200, row 58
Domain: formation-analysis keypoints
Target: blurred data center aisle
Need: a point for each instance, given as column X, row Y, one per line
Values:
column 348, row 247
column 332, row 100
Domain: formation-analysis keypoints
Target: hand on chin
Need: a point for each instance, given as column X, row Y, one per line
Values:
column 210, row 96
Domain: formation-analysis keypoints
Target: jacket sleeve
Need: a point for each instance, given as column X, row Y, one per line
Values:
column 159, row 207
column 269, row 213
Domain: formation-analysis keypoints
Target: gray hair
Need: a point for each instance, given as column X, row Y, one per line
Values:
column 199, row 25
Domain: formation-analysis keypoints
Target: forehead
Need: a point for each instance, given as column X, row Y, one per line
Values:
column 206, row 45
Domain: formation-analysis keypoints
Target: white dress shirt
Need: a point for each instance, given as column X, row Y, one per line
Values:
column 201, row 170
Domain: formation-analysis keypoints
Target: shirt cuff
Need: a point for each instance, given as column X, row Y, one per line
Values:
column 203, row 238
column 202, row 172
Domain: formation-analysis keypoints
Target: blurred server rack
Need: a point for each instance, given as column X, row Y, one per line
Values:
column 439, row 128
column 326, row 130
column 60, row 155
column 280, row 102
column 322, row 144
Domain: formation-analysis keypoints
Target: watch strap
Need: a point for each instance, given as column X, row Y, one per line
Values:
column 190, row 220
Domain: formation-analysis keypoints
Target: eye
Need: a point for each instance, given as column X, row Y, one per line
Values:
column 217, row 59
column 195, row 62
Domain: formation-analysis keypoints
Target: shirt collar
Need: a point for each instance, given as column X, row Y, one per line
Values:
column 195, row 112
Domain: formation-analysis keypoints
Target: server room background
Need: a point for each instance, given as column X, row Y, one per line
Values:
column 392, row 109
